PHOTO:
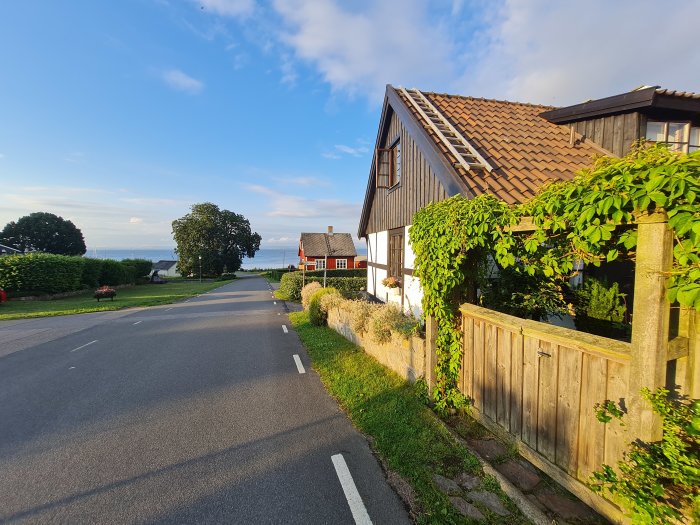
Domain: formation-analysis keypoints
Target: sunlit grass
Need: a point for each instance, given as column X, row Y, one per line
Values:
column 134, row 296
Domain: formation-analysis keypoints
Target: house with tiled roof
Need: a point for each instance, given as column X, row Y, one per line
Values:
column 432, row 146
column 331, row 251
column 165, row 268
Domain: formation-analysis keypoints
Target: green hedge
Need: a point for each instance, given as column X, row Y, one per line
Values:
column 142, row 267
column 292, row 283
column 352, row 272
column 43, row 273
column 40, row 272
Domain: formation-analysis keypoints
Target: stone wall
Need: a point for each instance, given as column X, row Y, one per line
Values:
column 406, row 357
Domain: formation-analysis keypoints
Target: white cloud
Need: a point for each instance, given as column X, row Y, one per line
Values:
column 360, row 52
column 289, row 206
column 330, row 155
column 180, row 81
column 559, row 53
column 301, row 181
column 135, row 220
column 360, row 151
column 231, row 8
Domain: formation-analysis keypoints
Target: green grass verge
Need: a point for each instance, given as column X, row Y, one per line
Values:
column 404, row 431
column 141, row 295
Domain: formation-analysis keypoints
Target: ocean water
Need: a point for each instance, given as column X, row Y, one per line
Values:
column 264, row 258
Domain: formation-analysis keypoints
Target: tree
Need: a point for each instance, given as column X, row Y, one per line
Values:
column 220, row 237
column 44, row 232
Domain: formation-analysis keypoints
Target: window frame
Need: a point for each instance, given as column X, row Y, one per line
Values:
column 388, row 165
column 320, row 263
column 683, row 146
column 394, row 248
column 345, row 263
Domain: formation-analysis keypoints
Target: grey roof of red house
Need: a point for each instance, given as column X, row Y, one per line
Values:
column 322, row 244
column 9, row 250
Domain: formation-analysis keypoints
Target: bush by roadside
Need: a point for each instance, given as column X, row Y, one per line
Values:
column 381, row 321
column 292, row 283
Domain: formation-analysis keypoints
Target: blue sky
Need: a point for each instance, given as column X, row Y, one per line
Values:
column 120, row 115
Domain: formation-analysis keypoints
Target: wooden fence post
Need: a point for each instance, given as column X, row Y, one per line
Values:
column 693, row 365
column 650, row 326
column 430, row 354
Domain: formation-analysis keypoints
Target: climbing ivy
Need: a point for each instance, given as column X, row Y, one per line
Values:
column 590, row 218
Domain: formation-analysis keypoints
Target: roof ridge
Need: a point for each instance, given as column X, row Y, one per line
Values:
column 483, row 99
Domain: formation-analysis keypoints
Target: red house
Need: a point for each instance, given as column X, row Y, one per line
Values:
column 327, row 250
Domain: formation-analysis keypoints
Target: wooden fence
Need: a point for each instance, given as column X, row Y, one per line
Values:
column 536, row 384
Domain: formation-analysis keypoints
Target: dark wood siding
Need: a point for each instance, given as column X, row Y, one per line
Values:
column 395, row 207
column 615, row 133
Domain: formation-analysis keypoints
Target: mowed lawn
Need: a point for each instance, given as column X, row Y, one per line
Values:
column 141, row 295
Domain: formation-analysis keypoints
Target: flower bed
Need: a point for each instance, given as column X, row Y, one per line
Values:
column 105, row 292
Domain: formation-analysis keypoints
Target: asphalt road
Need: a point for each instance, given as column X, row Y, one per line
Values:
column 189, row 413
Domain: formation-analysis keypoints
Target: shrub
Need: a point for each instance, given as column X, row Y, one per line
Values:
column 141, row 266
column 351, row 272
column 307, row 291
column 291, row 283
column 114, row 273
column 92, row 268
column 600, row 309
column 40, row 273
column 658, row 482
column 317, row 315
column 227, row 276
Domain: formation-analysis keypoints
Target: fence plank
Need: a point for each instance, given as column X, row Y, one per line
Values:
column 530, row 386
column 490, row 371
column 516, row 382
column 568, row 408
column 615, row 433
column 593, row 382
column 468, row 357
column 548, row 360
column 478, row 391
column 503, row 358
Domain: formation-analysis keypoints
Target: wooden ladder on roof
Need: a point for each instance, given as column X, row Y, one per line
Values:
column 467, row 156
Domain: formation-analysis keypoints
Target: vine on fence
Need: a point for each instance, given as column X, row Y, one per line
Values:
column 589, row 219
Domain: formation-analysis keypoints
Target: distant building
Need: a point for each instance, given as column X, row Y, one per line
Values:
column 9, row 250
column 166, row 268
column 316, row 250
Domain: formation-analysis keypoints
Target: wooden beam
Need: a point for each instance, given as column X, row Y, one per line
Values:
column 650, row 327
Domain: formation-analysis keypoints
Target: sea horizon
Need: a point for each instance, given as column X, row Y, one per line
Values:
column 265, row 258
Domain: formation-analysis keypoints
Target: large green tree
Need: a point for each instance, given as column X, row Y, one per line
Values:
column 220, row 237
column 44, row 232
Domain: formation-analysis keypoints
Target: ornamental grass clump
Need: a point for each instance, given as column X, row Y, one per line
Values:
column 306, row 293
column 388, row 320
column 361, row 313
column 317, row 314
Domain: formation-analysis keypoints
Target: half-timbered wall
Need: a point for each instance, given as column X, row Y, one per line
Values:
column 395, row 207
column 615, row 133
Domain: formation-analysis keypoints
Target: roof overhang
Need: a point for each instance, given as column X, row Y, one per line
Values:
column 646, row 98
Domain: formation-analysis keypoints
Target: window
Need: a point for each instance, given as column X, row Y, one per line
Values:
column 341, row 264
column 396, row 253
column 388, row 165
column 320, row 264
column 680, row 136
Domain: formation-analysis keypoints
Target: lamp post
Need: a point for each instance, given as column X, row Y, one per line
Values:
column 200, row 269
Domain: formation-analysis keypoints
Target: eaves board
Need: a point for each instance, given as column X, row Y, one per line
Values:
column 440, row 165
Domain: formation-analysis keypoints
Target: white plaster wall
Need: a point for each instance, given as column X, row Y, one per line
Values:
column 376, row 253
column 409, row 257
column 413, row 295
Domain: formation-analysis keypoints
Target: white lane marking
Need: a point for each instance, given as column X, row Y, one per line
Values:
column 274, row 302
column 284, row 328
column 83, row 346
column 168, row 309
column 300, row 366
column 359, row 512
column 137, row 322
column 71, row 368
